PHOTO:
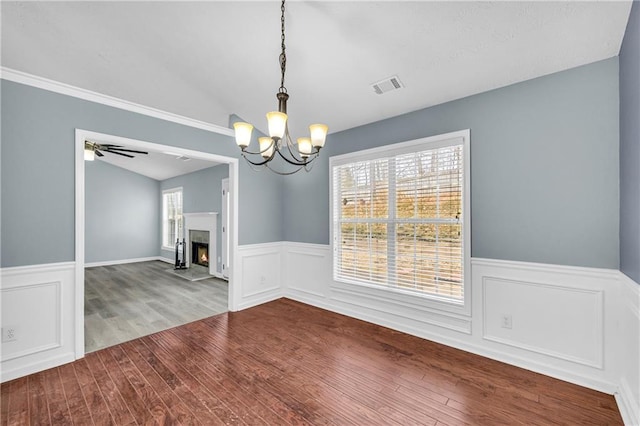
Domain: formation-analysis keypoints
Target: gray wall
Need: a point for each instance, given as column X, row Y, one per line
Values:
column 122, row 217
column 544, row 168
column 630, row 147
column 37, row 170
column 201, row 192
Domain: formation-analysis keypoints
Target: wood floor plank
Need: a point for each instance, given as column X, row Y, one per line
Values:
column 58, row 407
column 4, row 403
column 18, row 398
column 78, row 408
column 164, row 386
column 285, row 363
column 145, row 391
column 38, row 408
column 98, row 408
column 112, row 397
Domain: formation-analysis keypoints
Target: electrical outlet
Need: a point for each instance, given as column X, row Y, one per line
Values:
column 9, row 334
column 506, row 321
column 263, row 280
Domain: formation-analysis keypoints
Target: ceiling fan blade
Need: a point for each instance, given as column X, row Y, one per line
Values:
column 119, row 153
column 126, row 150
column 98, row 153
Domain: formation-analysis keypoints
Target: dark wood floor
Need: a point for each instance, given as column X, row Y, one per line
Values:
column 287, row 363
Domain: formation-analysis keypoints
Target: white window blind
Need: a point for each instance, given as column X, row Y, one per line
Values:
column 171, row 217
column 398, row 220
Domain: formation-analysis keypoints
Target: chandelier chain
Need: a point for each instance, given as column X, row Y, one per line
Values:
column 283, row 56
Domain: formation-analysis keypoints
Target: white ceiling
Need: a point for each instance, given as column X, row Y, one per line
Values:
column 156, row 165
column 206, row 60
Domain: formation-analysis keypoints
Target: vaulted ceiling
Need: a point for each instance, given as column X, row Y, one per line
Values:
column 206, row 60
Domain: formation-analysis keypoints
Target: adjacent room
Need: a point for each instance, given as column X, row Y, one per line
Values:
column 320, row 212
column 145, row 213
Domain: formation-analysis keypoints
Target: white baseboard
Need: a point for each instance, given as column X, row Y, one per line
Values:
column 123, row 261
column 166, row 260
column 629, row 407
column 576, row 353
column 35, row 367
column 628, row 393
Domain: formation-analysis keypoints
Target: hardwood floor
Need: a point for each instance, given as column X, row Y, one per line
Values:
column 285, row 363
column 124, row 302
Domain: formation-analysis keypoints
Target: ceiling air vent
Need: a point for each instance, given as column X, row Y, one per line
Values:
column 387, row 85
column 183, row 158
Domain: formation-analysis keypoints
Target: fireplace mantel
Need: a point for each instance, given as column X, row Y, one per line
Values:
column 205, row 221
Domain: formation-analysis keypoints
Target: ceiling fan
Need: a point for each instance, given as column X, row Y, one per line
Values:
column 93, row 148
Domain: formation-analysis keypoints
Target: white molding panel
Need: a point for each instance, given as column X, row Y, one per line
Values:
column 260, row 275
column 562, row 322
column 628, row 394
column 88, row 95
column 582, row 301
column 38, row 303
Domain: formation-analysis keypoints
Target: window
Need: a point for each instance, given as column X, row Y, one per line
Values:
column 171, row 217
column 400, row 217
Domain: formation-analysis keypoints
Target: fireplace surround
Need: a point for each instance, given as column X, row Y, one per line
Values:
column 197, row 226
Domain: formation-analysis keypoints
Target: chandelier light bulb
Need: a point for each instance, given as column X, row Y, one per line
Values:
column 277, row 122
column 304, row 147
column 318, row 134
column 89, row 154
column 243, row 133
column 266, row 146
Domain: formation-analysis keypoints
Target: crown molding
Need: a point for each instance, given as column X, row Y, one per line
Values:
column 77, row 92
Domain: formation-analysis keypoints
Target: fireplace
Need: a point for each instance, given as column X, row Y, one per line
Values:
column 200, row 253
column 201, row 228
column 199, row 247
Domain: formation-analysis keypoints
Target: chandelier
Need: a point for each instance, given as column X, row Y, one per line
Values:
column 279, row 142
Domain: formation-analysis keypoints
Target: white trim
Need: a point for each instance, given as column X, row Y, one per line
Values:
column 629, row 408
column 80, row 137
column 596, row 273
column 166, row 260
column 58, row 337
column 44, row 267
column 88, row 95
column 631, row 292
column 59, row 344
column 429, row 301
column 599, row 312
column 35, row 367
column 121, row 261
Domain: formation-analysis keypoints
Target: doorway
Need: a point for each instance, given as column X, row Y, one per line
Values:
column 230, row 227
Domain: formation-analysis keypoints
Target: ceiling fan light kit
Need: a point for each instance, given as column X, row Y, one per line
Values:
column 279, row 142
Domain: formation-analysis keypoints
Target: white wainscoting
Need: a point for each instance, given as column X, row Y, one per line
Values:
column 628, row 395
column 38, row 303
column 565, row 320
column 260, row 274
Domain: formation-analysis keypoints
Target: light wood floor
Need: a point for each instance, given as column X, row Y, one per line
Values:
column 285, row 363
column 124, row 302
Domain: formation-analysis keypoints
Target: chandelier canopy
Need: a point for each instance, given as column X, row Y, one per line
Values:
column 279, row 142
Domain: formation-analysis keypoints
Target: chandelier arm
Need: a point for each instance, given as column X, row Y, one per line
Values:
column 259, row 163
column 300, row 160
column 293, row 162
column 283, row 173
column 259, row 152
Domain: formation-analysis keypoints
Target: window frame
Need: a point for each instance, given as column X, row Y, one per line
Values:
column 162, row 206
column 391, row 294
